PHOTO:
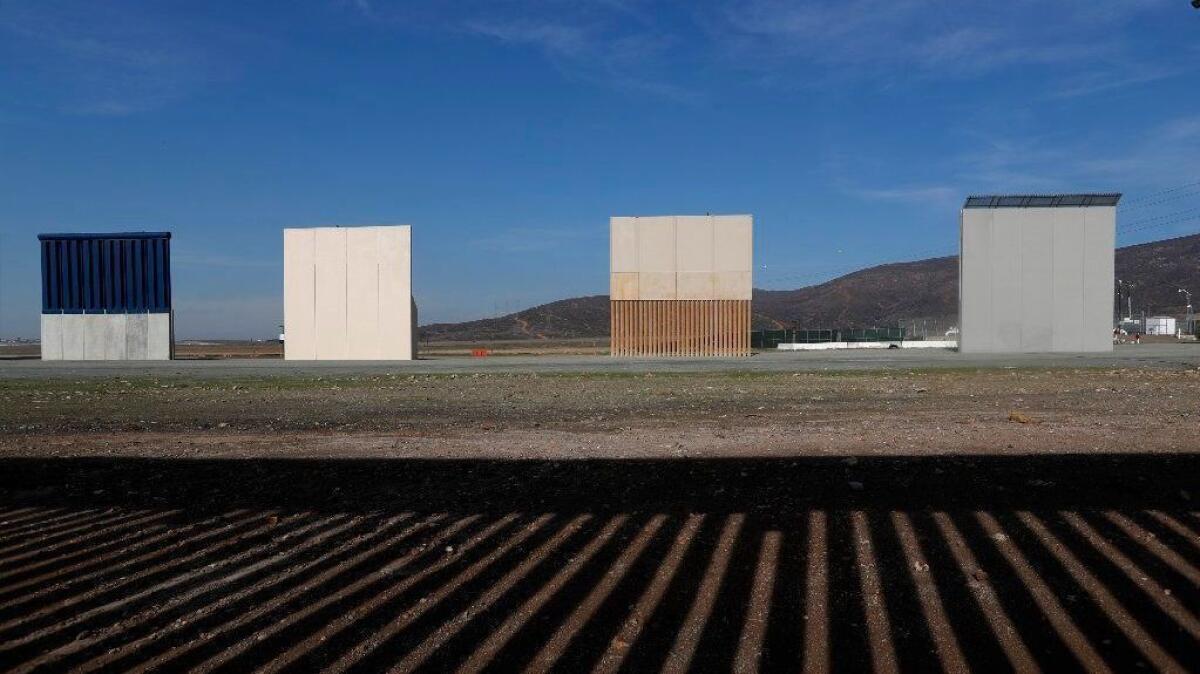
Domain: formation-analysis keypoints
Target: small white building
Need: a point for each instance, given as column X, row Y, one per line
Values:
column 1160, row 325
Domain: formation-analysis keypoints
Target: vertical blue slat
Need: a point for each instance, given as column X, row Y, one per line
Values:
column 152, row 274
column 139, row 276
column 45, row 276
column 60, row 268
column 54, row 274
column 85, row 276
column 69, row 301
column 93, row 277
column 119, row 275
column 166, row 274
column 127, row 263
column 106, row 274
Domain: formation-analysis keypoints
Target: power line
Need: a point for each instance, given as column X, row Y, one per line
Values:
column 1164, row 200
column 1169, row 190
column 1160, row 224
column 1159, row 217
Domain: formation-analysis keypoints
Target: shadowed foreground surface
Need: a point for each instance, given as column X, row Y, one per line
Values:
column 1063, row 563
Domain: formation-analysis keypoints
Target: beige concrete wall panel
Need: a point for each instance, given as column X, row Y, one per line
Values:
column 732, row 285
column 695, row 285
column 694, row 243
column 299, row 294
column 330, row 308
column 656, row 244
column 623, row 245
column 657, row 285
column 733, row 243
column 397, row 313
column 362, row 293
column 624, row 286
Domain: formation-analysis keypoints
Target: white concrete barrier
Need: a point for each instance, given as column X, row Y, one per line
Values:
column 830, row 346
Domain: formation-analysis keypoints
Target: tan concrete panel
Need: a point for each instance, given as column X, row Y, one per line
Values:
column 330, row 311
column 299, row 294
column 657, row 285
column 695, row 285
column 732, row 285
column 397, row 309
column 624, row 286
column 656, row 244
column 733, row 237
column 362, row 293
column 694, row 243
column 623, row 244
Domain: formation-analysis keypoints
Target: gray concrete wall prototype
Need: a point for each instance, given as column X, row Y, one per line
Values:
column 1036, row 279
column 145, row 336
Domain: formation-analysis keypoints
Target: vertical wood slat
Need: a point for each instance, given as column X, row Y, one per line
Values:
column 679, row 328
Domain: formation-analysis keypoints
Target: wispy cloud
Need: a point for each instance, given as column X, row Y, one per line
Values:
column 113, row 58
column 918, row 38
column 615, row 43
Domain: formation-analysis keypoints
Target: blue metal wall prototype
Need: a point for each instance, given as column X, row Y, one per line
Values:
column 106, row 273
column 106, row 296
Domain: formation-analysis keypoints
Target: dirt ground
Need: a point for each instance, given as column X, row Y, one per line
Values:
column 1038, row 519
column 652, row 415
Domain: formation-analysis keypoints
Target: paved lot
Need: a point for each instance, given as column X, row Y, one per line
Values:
column 1127, row 356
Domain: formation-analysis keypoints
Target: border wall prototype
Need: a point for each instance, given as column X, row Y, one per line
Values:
column 681, row 285
column 348, row 294
column 106, row 296
column 1036, row 273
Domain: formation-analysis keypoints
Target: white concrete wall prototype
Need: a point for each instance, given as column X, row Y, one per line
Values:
column 106, row 336
column 684, row 257
column 1036, row 279
column 348, row 293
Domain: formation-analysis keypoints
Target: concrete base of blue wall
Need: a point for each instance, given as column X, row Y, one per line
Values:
column 107, row 336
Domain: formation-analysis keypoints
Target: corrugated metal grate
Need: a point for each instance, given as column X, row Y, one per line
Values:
column 1041, row 200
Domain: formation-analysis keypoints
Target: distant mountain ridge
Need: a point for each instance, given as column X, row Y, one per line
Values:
column 880, row 295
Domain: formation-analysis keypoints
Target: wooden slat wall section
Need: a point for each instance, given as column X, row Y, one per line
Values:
column 680, row 328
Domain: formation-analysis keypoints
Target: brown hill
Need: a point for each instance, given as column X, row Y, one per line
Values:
column 882, row 295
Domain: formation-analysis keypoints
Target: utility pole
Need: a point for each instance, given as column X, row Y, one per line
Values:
column 1189, row 320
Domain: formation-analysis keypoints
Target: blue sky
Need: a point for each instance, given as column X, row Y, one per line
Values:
column 507, row 133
